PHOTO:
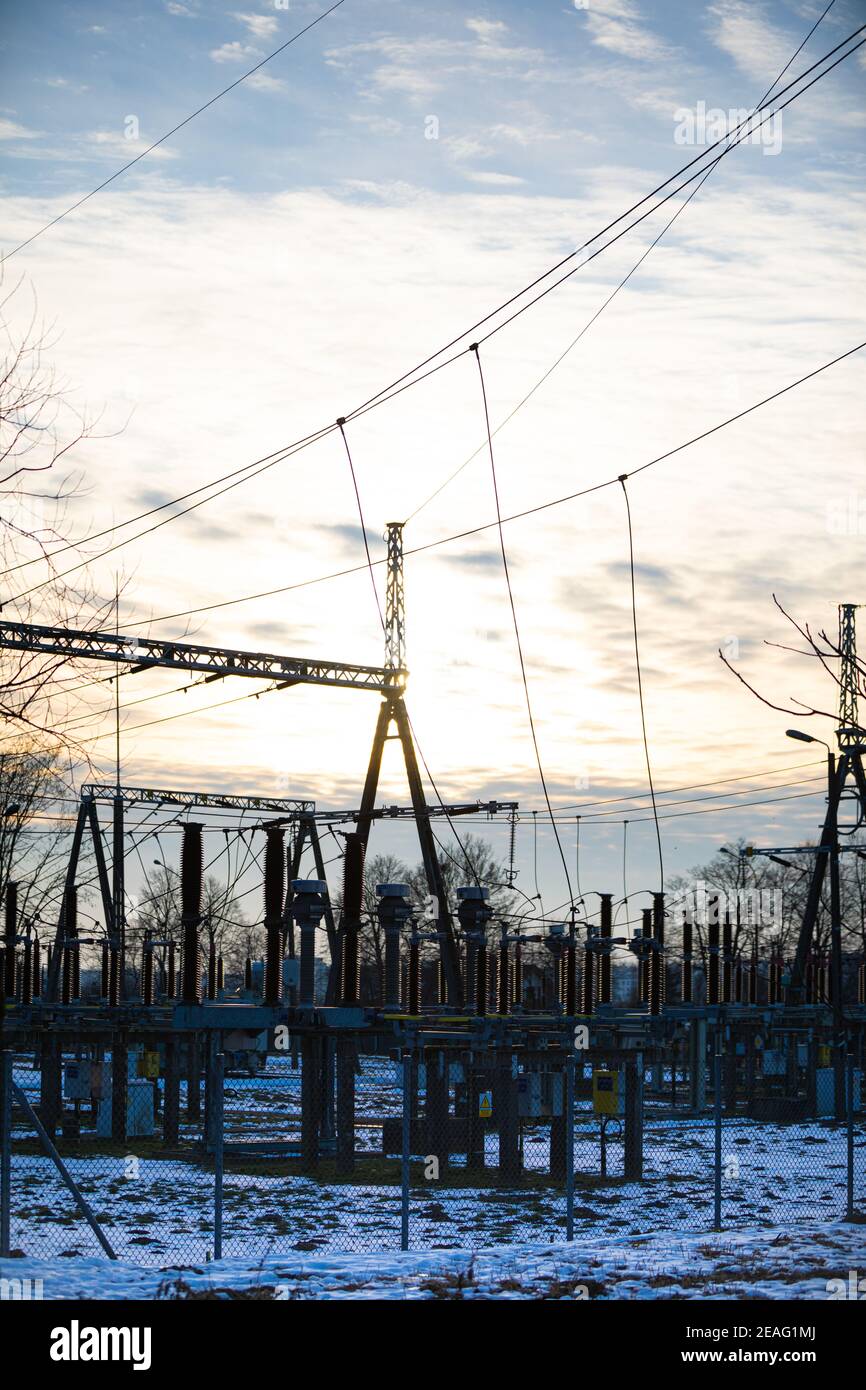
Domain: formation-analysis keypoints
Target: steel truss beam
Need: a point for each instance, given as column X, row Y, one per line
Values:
column 132, row 796
column 142, row 653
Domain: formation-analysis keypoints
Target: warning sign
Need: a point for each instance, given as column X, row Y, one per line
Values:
column 485, row 1105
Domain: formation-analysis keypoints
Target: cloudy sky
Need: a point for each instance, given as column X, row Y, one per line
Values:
column 363, row 199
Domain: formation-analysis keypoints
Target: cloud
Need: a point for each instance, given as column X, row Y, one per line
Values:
column 420, row 67
column 63, row 83
column 234, row 53
column 11, row 130
column 264, row 82
column 116, row 143
column 487, row 29
column 493, row 178
column 616, row 25
column 743, row 31
column 260, row 26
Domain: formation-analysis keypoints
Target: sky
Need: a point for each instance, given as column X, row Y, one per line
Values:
column 367, row 196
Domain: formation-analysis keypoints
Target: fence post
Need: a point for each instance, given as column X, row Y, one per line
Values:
column 216, row 1107
column 406, row 1149
column 5, row 1150
column 849, row 1115
column 717, row 1126
column 569, row 1147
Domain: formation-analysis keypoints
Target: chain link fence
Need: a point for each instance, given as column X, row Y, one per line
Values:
column 327, row 1148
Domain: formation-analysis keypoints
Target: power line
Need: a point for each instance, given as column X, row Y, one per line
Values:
column 486, row 526
column 180, row 125
column 621, row 285
column 541, row 775
column 640, row 684
column 411, row 378
column 515, row 516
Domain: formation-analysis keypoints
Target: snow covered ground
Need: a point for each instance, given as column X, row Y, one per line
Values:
column 158, row 1210
column 768, row 1263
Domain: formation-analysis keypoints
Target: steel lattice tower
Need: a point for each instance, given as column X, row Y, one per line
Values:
column 395, row 611
column 849, row 732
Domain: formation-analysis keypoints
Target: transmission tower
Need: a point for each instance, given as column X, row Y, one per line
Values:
column 395, row 611
column 849, row 733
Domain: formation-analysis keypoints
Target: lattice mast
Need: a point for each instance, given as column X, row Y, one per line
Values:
column 849, row 733
column 395, row 609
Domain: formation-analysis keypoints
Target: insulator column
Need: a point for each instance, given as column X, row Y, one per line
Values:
column 394, row 910
column 171, row 976
column 504, row 982
column 605, row 931
column 27, row 973
column 308, row 908
column 644, row 962
column 147, row 970
column 353, row 906
column 657, row 959
column 191, row 868
column 473, row 914
column 688, row 944
column 275, row 870
column 588, row 1005
column 211, row 964
column 570, row 965
column 727, row 959
column 518, row 974
column 753, row 972
column 10, row 935
column 413, row 994
column 70, row 969
column 713, row 951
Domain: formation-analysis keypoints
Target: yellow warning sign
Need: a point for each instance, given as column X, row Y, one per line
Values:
column 485, row 1105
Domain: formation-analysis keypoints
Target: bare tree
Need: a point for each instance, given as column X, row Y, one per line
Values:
column 157, row 912
column 40, row 430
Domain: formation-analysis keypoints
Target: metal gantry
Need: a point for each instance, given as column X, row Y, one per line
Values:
column 142, row 653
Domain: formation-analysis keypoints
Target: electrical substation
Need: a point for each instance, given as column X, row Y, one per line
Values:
column 483, row 1063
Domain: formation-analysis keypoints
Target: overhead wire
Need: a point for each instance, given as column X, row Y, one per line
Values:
column 410, row 378
column 619, row 286
column 516, row 625
column 169, row 133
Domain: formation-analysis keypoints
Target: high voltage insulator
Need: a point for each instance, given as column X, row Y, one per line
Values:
column 504, row 1000
column 727, row 959
column 27, row 973
column 191, row 870
column 10, row 937
column 147, row 970
column 70, row 964
column 274, row 889
column 657, row 956
column 713, row 951
column 353, row 906
column 588, row 1003
column 605, row 931
column 643, row 959
column 309, row 901
column 687, row 967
